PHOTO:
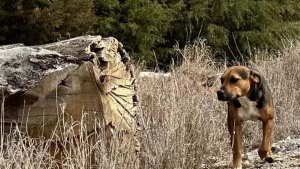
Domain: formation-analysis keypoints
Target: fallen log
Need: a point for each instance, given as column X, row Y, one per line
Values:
column 48, row 87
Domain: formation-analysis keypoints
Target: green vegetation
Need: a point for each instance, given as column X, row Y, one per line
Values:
column 42, row 21
column 140, row 24
column 150, row 28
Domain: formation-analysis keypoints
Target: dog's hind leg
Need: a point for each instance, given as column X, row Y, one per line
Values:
column 265, row 147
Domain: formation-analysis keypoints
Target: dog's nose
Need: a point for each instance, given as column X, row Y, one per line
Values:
column 221, row 95
column 220, row 92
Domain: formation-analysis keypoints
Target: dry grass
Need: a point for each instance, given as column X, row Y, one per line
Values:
column 183, row 124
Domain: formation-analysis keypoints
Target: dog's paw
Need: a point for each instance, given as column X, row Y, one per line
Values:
column 270, row 159
column 262, row 154
column 265, row 156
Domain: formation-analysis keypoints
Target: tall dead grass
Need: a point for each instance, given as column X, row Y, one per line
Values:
column 183, row 124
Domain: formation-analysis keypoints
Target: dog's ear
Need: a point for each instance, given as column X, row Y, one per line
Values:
column 255, row 77
column 255, row 80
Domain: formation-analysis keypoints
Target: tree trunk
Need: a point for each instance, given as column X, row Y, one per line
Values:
column 47, row 88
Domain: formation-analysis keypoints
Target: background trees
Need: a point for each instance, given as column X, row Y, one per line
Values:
column 42, row 21
column 140, row 24
column 150, row 28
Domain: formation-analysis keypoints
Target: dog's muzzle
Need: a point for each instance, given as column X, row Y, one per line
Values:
column 223, row 96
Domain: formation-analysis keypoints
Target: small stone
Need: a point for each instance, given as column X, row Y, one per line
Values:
column 247, row 164
column 273, row 164
column 275, row 149
column 281, row 142
column 279, row 159
column 202, row 166
column 251, row 156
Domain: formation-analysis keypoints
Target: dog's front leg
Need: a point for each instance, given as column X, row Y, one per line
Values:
column 237, row 146
column 235, row 130
column 265, row 147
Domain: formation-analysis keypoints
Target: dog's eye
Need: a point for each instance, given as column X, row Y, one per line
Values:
column 222, row 80
column 234, row 80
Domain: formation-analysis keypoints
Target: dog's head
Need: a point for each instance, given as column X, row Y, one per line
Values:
column 237, row 82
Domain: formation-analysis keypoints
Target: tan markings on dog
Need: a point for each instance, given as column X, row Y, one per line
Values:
column 248, row 109
column 266, row 113
column 240, row 87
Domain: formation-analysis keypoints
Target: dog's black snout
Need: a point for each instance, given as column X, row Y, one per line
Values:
column 220, row 92
column 221, row 95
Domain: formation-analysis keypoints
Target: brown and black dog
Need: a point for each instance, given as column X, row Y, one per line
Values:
column 248, row 98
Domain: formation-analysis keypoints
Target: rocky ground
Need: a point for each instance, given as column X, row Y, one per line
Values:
column 286, row 153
